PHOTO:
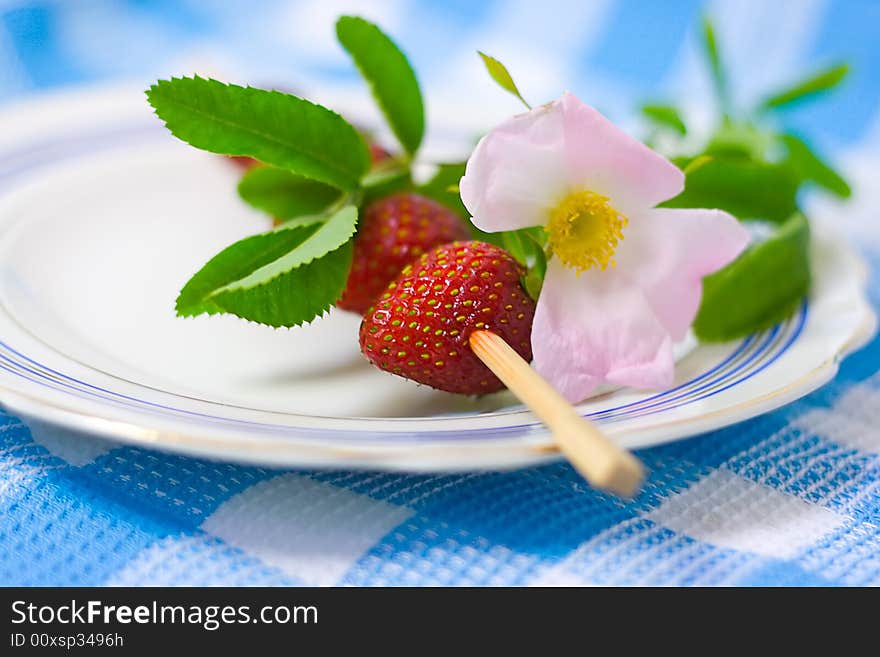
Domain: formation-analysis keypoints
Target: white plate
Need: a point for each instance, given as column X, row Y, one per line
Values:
column 103, row 217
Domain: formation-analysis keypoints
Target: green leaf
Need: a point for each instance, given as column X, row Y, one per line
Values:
column 273, row 127
column 812, row 167
column 743, row 187
column 516, row 244
column 390, row 76
column 323, row 239
column 483, row 236
column 281, row 278
column 665, row 116
column 526, row 245
column 695, row 163
column 285, row 195
column 762, row 287
column 234, row 263
column 818, row 83
column 533, row 281
column 296, row 297
column 501, row 75
column 303, row 220
column 716, row 68
column 740, row 139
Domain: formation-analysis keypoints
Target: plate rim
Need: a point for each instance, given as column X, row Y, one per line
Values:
column 428, row 456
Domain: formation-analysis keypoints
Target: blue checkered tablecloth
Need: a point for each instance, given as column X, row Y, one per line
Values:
column 790, row 498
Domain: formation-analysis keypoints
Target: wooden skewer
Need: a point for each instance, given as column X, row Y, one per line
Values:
column 602, row 463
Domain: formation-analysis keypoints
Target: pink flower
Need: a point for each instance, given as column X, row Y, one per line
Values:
column 624, row 278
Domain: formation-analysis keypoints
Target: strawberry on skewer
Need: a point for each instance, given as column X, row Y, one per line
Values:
column 459, row 320
column 419, row 328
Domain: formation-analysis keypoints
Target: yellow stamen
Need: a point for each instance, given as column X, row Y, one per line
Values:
column 584, row 231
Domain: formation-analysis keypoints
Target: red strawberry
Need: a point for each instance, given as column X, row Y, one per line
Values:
column 243, row 161
column 419, row 328
column 378, row 153
column 392, row 233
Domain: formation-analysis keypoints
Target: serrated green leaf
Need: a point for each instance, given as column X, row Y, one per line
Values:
column 324, row 238
column 815, row 84
column 296, row 297
column 281, row 278
column 234, row 263
column 812, row 167
column 762, row 287
column 716, row 67
column 390, row 76
column 501, row 75
column 276, row 128
column 284, row 194
column 665, row 116
column 304, row 220
column 743, row 187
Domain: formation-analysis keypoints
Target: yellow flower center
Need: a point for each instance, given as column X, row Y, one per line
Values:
column 584, row 231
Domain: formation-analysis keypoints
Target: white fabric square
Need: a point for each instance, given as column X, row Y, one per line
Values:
column 638, row 551
column 194, row 561
column 71, row 446
column 307, row 529
column 729, row 511
column 18, row 469
column 850, row 422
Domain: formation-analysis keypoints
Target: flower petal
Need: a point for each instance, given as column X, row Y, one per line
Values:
column 601, row 158
column 667, row 252
column 598, row 327
column 516, row 173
